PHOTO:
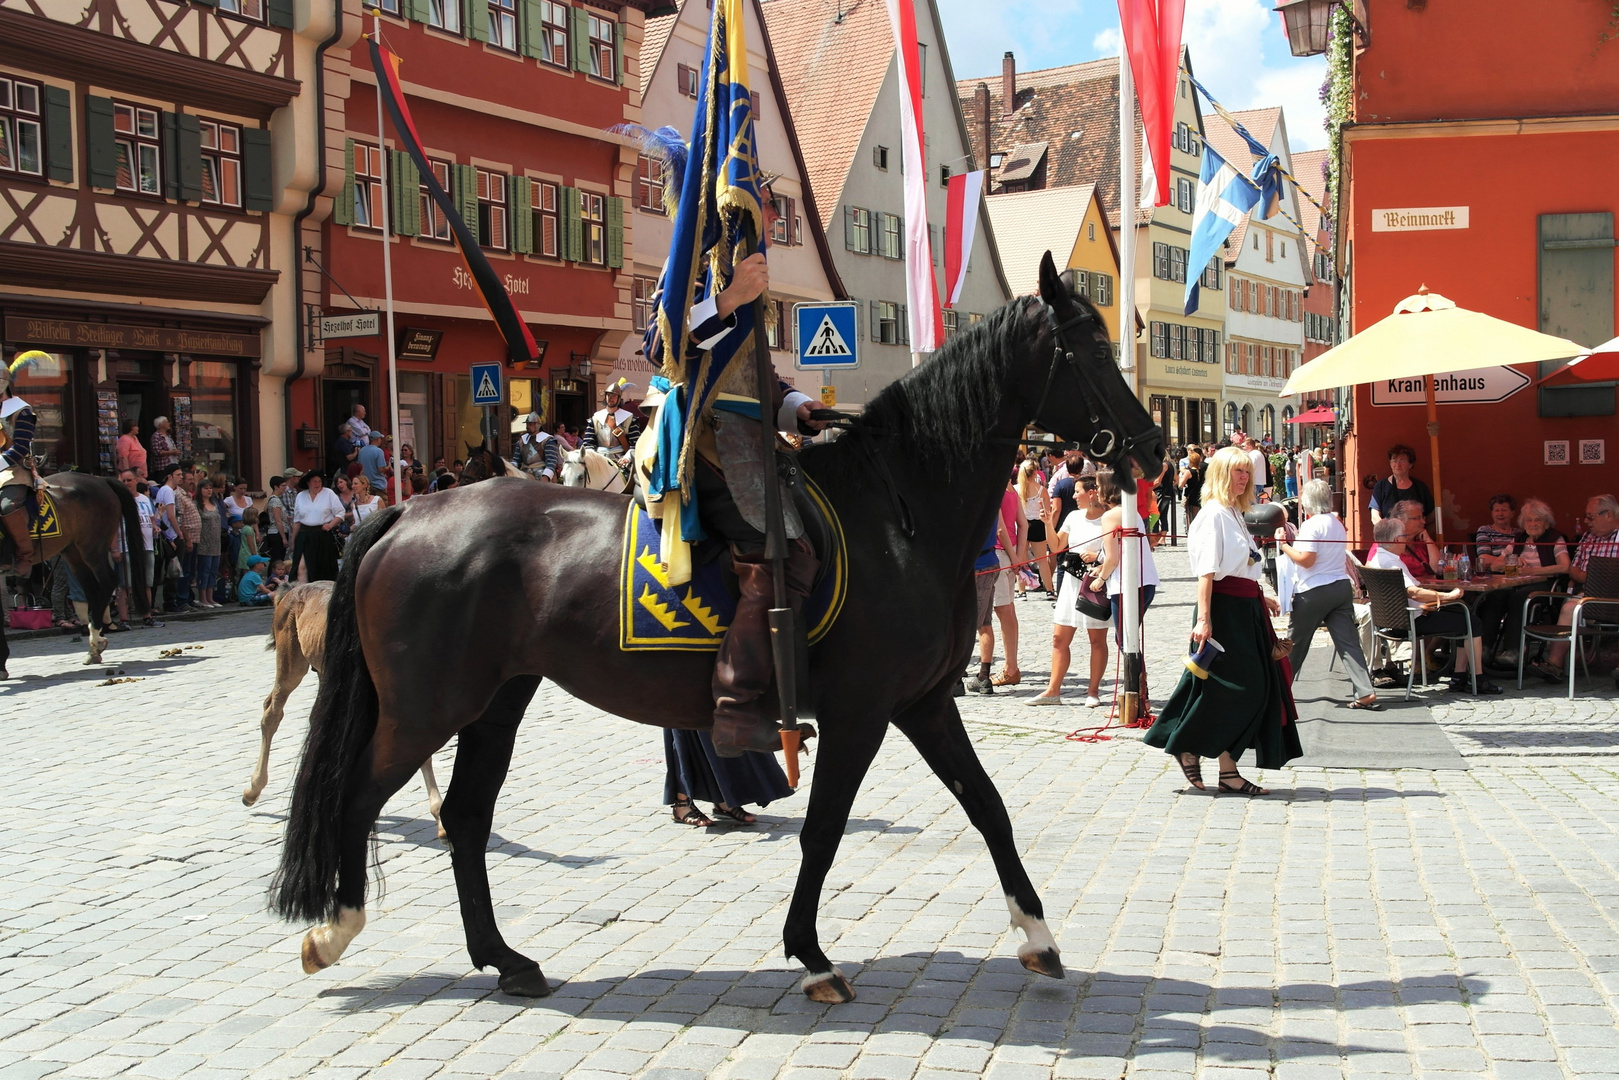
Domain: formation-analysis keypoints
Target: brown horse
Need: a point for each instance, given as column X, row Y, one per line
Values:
column 298, row 636
column 450, row 610
column 89, row 511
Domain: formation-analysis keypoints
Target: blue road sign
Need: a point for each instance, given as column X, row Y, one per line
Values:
column 486, row 388
column 827, row 336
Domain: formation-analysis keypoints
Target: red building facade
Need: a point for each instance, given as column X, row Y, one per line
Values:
column 1507, row 151
column 512, row 100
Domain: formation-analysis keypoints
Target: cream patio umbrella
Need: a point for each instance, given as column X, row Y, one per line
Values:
column 1428, row 335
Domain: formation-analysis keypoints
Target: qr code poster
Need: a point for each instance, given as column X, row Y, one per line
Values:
column 1557, row 452
column 1593, row 452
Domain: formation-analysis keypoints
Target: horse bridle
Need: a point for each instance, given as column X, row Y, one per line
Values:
column 1105, row 443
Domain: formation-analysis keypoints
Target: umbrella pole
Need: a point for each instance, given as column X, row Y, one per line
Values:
column 1433, row 451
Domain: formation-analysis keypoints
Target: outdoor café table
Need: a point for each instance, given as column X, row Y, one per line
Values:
column 1481, row 584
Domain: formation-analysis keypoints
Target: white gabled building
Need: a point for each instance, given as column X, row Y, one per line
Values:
column 1267, row 271
column 838, row 68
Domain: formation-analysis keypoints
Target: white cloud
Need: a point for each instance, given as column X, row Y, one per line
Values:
column 1298, row 91
column 1229, row 40
column 1107, row 42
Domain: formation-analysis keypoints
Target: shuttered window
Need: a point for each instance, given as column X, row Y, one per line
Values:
column 220, row 146
column 502, row 28
column 1160, row 339
column 1576, row 302
column 22, row 128
column 544, row 200
column 857, row 230
column 404, row 205
column 366, row 187
column 444, row 14
column 435, row 225
column 648, row 183
column 686, row 80
column 492, row 209
column 615, row 232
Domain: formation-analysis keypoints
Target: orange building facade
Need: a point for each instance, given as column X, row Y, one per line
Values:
column 513, row 104
column 1488, row 178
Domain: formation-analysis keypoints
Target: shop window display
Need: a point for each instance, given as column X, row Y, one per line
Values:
column 213, row 416
column 47, row 385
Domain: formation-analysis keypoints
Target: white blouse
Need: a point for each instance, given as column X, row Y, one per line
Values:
column 1219, row 543
column 315, row 511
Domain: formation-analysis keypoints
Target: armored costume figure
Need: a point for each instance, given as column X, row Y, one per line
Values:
column 17, row 476
column 613, row 429
column 537, row 453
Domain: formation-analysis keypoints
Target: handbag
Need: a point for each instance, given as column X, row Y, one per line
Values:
column 1281, row 647
column 1092, row 601
column 30, row 618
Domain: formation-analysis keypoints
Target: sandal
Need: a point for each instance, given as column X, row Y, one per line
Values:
column 1369, row 704
column 1007, row 678
column 692, row 816
column 1193, row 770
column 1248, row 788
column 1546, row 671
column 736, row 814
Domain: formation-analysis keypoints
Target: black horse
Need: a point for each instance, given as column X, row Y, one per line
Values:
column 89, row 511
column 450, row 610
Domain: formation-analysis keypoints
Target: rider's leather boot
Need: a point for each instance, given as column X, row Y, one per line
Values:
column 16, row 524
column 744, row 667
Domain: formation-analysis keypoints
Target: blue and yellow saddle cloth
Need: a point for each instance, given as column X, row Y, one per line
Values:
column 653, row 615
column 45, row 524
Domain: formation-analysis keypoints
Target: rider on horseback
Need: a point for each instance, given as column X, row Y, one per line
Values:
column 17, row 477
column 613, row 429
column 728, row 480
column 537, row 452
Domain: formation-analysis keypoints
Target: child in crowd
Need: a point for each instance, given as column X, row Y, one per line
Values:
column 278, row 575
column 251, row 589
column 246, row 529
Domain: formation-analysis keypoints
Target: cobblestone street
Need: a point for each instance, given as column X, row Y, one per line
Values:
column 1407, row 922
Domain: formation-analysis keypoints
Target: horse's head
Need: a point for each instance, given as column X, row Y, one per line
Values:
column 1075, row 389
column 481, row 464
column 573, row 472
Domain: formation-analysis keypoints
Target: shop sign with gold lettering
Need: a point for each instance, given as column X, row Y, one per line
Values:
column 419, row 344
column 67, row 333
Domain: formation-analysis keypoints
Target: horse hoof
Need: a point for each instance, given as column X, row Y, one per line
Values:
column 529, row 982
column 829, row 988
column 249, row 797
column 4, row 674
column 1042, row 962
column 311, row 955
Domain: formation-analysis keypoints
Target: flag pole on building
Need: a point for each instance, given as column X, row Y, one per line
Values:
column 921, row 287
column 388, row 280
column 1130, row 550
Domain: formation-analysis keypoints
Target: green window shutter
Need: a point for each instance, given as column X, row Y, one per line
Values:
column 171, row 155
column 467, row 198
column 188, row 152
column 396, row 193
column 876, row 327
column 208, row 3
column 618, row 53
column 615, row 231
column 278, row 13
column 412, row 189
column 59, row 134
column 522, row 220
column 343, row 204
column 417, row 10
column 573, row 231
column 476, row 18
column 579, row 38
column 103, row 143
column 256, row 190
column 528, row 29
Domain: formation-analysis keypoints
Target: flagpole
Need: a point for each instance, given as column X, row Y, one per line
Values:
column 388, row 278
column 1130, row 547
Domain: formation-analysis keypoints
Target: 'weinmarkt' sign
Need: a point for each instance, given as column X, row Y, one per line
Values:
column 26, row 330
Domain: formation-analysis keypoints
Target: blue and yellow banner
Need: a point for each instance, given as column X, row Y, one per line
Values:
column 719, row 195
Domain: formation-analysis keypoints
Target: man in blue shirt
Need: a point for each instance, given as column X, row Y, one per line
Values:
column 373, row 462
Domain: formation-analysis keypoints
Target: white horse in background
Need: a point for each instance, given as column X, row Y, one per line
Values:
column 589, row 468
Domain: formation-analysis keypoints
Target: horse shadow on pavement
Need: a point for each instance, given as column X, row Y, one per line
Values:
column 990, row 1001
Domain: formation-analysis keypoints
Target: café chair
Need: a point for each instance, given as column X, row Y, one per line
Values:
column 1596, row 616
column 1394, row 620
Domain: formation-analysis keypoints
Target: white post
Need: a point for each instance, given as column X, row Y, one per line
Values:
column 1130, row 551
column 388, row 279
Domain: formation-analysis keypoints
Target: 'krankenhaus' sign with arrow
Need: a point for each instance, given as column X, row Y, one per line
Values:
column 1476, row 387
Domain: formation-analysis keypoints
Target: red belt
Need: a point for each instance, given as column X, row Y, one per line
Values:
column 1237, row 586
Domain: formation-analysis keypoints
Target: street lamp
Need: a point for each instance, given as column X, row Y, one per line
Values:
column 1309, row 25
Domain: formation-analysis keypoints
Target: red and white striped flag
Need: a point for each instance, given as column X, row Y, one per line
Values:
column 921, row 289
column 962, row 196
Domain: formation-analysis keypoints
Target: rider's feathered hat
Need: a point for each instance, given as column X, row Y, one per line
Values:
column 8, row 375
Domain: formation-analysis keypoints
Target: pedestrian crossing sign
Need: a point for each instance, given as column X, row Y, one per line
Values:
column 826, row 334
column 486, row 384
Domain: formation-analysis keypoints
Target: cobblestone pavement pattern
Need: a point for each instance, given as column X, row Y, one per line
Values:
column 1404, row 922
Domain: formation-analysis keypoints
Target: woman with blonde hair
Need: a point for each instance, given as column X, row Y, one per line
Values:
column 1240, row 698
column 1031, row 488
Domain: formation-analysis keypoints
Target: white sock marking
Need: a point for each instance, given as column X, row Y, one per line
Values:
column 1035, row 930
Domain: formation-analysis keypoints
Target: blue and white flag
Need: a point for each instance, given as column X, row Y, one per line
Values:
column 1224, row 198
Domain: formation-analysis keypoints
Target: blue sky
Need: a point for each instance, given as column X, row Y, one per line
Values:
column 1238, row 48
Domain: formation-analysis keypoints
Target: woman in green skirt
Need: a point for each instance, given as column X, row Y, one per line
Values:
column 1242, row 700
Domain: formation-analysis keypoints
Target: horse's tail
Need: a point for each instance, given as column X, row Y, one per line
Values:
column 340, row 726
column 133, row 544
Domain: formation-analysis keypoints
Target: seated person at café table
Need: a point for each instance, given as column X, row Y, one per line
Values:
column 1420, row 555
column 1392, row 538
column 1537, row 549
column 1601, row 540
column 1491, row 542
column 1399, row 486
